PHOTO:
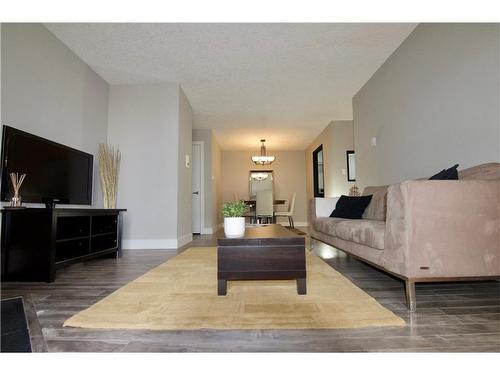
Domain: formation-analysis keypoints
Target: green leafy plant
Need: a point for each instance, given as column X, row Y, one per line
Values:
column 234, row 209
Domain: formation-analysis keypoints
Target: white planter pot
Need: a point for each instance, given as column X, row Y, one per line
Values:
column 234, row 227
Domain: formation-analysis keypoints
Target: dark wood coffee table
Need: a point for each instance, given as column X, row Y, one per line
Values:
column 268, row 252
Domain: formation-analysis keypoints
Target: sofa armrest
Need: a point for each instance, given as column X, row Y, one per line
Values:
column 443, row 229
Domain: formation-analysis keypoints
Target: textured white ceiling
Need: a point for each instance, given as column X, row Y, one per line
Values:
column 290, row 80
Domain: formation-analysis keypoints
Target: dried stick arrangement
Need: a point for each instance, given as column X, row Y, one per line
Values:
column 16, row 185
column 109, row 164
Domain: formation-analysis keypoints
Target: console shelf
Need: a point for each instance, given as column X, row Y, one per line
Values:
column 37, row 241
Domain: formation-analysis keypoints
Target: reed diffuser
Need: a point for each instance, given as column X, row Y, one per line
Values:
column 109, row 164
column 17, row 181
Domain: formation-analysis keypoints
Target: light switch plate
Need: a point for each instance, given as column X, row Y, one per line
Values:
column 374, row 141
column 187, row 161
column 344, row 172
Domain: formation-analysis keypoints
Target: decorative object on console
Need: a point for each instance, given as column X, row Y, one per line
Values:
column 354, row 191
column 109, row 165
column 351, row 207
column 17, row 181
column 234, row 221
column 446, row 174
column 263, row 158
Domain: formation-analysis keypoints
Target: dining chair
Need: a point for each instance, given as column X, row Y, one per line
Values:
column 264, row 209
column 289, row 213
column 251, row 212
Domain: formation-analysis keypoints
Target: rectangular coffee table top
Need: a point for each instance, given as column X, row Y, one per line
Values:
column 264, row 233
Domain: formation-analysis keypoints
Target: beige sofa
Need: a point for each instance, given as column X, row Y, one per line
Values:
column 423, row 231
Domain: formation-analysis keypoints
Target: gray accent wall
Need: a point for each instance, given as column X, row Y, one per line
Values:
column 48, row 91
column 184, row 173
column 151, row 125
column 433, row 103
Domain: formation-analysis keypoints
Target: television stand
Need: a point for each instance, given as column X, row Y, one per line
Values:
column 38, row 241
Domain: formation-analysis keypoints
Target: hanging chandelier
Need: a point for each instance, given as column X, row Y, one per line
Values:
column 263, row 158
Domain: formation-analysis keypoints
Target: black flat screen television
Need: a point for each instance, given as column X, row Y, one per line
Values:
column 54, row 173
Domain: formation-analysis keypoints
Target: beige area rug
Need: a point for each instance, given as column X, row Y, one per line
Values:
column 181, row 294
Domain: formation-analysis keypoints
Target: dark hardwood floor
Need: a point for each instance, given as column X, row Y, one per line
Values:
column 453, row 317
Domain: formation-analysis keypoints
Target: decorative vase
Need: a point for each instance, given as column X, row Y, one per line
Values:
column 234, row 227
column 17, row 181
column 354, row 191
column 15, row 201
column 109, row 165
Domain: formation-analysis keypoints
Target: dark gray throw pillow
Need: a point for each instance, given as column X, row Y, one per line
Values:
column 447, row 174
column 351, row 207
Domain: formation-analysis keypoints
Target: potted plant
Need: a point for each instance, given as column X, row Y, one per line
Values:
column 234, row 222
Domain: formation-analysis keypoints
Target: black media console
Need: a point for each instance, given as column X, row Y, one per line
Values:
column 37, row 241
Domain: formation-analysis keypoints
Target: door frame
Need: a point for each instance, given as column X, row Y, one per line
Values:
column 202, row 185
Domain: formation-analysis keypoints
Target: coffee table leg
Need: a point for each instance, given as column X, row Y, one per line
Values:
column 301, row 286
column 221, row 287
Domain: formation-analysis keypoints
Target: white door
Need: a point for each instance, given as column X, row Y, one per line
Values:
column 196, row 168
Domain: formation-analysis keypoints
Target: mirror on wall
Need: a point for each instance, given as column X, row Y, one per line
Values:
column 259, row 180
column 351, row 165
column 318, row 172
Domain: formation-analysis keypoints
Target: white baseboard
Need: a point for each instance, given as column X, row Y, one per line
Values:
column 167, row 243
column 170, row 243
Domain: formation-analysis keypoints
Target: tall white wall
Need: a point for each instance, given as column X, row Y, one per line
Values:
column 143, row 123
column 48, row 91
column 433, row 103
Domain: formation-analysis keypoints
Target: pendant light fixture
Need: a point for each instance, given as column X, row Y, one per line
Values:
column 263, row 158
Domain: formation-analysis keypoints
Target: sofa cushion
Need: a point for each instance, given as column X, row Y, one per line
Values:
column 446, row 174
column 326, row 225
column 488, row 171
column 377, row 208
column 351, row 207
column 366, row 232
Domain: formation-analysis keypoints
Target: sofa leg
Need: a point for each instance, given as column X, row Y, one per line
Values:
column 411, row 300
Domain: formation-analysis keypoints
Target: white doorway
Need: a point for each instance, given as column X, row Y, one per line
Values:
column 197, row 169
